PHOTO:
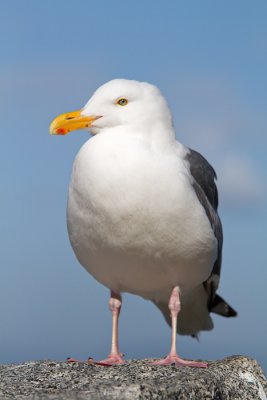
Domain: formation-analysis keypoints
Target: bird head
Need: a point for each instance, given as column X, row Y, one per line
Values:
column 117, row 103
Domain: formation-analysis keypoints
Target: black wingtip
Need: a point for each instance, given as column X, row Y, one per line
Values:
column 220, row 307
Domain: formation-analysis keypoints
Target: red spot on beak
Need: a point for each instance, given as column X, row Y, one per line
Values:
column 62, row 131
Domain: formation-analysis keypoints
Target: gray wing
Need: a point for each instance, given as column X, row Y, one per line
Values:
column 206, row 191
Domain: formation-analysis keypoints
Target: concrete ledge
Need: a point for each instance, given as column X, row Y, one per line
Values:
column 235, row 377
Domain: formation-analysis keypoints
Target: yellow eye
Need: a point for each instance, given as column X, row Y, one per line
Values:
column 122, row 101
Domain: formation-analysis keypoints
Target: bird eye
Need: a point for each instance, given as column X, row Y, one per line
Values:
column 122, row 101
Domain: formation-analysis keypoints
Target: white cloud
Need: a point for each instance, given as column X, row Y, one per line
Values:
column 240, row 183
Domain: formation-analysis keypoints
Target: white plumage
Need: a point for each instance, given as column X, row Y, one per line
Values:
column 134, row 220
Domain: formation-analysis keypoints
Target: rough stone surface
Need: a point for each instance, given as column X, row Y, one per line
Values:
column 235, row 377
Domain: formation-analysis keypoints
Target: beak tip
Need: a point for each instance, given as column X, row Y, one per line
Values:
column 51, row 129
column 58, row 131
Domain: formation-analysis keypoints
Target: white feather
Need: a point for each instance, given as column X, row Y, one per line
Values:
column 134, row 220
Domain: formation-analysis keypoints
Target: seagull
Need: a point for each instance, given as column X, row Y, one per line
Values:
column 142, row 211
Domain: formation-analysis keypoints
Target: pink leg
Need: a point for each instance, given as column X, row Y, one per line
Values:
column 172, row 357
column 115, row 356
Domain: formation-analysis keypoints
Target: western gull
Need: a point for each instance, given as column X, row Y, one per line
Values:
column 142, row 211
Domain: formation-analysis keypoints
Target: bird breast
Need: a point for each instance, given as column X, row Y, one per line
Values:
column 134, row 220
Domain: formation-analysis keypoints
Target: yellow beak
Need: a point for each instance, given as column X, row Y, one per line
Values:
column 71, row 121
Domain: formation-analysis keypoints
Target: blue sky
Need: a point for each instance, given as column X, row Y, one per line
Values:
column 210, row 60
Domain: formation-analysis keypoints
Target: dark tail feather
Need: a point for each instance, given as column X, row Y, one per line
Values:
column 219, row 306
